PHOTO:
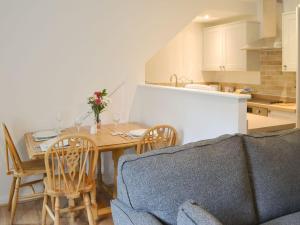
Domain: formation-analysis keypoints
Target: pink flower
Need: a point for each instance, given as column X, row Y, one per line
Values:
column 98, row 101
column 98, row 94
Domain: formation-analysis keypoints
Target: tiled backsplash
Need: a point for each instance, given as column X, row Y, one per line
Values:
column 274, row 82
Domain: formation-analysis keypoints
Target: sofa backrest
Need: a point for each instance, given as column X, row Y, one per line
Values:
column 274, row 164
column 212, row 173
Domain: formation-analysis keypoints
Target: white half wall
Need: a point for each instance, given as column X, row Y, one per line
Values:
column 197, row 115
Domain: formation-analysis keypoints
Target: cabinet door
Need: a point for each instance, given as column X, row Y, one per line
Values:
column 289, row 42
column 213, row 49
column 283, row 115
column 234, row 40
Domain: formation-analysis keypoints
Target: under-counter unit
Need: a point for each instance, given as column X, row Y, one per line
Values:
column 289, row 42
column 283, row 111
column 223, row 47
column 290, row 116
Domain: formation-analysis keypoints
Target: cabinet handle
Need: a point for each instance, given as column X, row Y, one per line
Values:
column 224, row 68
column 285, row 67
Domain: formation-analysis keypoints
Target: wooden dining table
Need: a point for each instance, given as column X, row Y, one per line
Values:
column 106, row 141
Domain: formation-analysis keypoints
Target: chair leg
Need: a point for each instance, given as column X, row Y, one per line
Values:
column 52, row 203
column 44, row 210
column 72, row 213
column 15, row 200
column 57, row 209
column 87, row 203
column 11, row 193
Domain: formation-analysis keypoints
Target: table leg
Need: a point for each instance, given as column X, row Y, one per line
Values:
column 93, row 194
column 116, row 154
column 99, row 172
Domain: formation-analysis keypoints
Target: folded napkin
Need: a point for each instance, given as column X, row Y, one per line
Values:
column 47, row 144
column 137, row 133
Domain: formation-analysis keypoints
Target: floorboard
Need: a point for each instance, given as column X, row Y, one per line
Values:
column 29, row 213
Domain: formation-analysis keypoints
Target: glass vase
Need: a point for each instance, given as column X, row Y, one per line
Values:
column 98, row 122
column 98, row 125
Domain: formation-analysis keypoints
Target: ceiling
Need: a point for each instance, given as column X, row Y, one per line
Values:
column 214, row 15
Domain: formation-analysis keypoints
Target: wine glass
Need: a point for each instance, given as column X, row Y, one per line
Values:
column 77, row 123
column 116, row 119
column 59, row 121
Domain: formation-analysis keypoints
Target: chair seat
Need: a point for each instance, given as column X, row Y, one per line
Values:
column 32, row 167
column 60, row 188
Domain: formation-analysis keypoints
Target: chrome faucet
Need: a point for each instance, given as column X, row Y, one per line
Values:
column 176, row 79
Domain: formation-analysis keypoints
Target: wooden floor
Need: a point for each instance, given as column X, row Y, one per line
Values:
column 29, row 213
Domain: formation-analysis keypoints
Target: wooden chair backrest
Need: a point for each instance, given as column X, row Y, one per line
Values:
column 157, row 137
column 12, row 153
column 68, row 166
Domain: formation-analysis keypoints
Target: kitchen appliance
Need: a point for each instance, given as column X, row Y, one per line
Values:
column 268, row 13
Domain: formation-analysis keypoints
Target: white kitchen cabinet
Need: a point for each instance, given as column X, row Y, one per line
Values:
column 289, row 42
column 213, row 48
column 290, row 116
column 222, row 47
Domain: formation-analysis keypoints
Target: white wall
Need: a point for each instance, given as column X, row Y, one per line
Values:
column 54, row 54
column 290, row 5
column 196, row 115
column 182, row 56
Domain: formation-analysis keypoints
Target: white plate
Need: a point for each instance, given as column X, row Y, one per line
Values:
column 44, row 135
column 137, row 133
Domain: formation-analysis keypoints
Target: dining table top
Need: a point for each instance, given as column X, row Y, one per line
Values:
column 106, row 138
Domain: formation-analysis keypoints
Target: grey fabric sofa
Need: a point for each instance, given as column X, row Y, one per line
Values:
column 231, row 180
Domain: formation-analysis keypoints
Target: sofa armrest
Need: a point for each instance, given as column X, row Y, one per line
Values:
column 123, row 215
column 191, row 214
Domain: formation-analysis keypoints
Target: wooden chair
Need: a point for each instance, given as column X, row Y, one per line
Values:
column 71, row 175
column 19, row 170
column 157, row 137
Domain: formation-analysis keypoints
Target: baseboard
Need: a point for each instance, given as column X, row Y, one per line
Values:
column 3, row 201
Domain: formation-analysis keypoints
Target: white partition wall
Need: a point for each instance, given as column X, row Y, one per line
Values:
column 197, row 115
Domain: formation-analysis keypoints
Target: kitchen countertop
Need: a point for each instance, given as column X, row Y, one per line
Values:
column 197, row 91
column 286, row 107
column 258, row 123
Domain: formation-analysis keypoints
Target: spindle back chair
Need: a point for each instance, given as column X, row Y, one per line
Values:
column 158, row 137
column 19, row 170
column 70, row 165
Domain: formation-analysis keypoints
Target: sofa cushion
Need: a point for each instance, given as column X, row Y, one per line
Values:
column 124, row 215
column 274, row 162
column 291, row 219
column 192, row 214
column 213, row 173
